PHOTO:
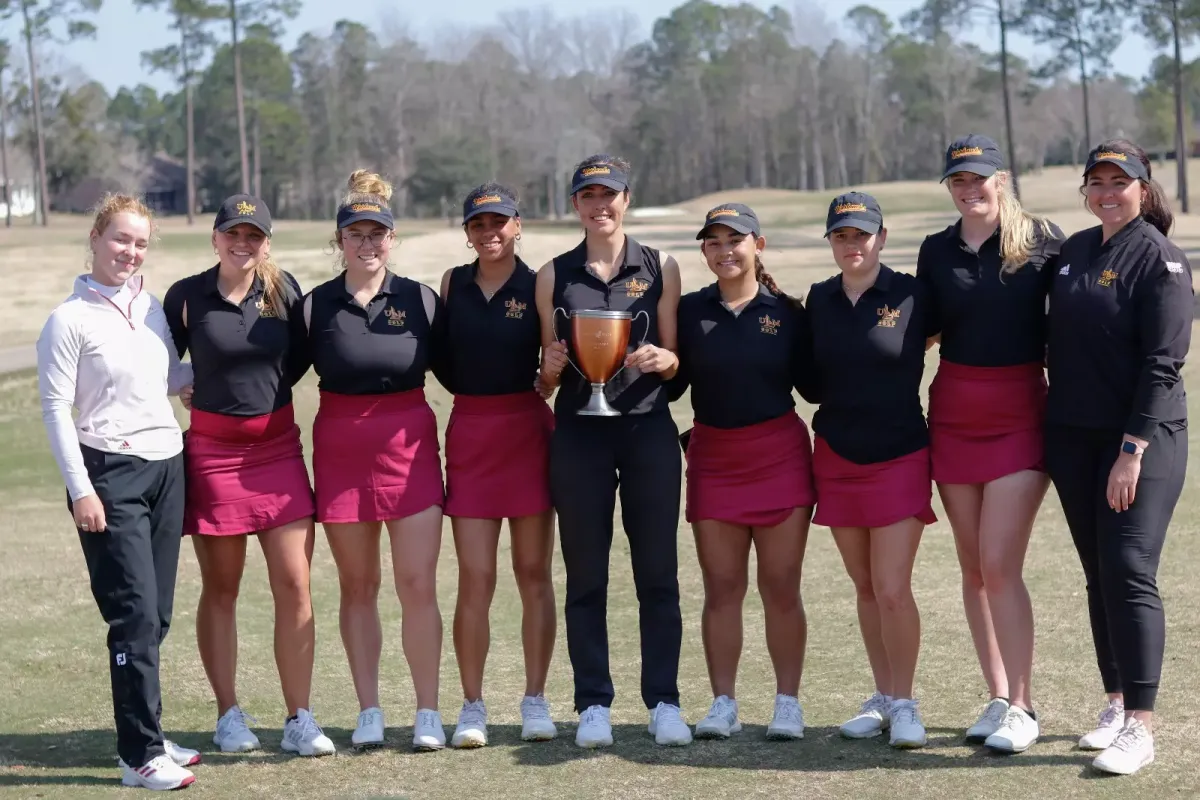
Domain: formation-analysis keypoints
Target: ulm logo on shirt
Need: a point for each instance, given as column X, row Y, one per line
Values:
column 636, row 288
column 1065, row 269
column 514, row 310
column 1106, row 278
column 395, row 318
column 887, row 317
column 264, row 308
column 769, row 325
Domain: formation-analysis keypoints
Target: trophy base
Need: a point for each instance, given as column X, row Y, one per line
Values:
column 597, row 405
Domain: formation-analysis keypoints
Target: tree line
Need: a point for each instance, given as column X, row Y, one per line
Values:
column 717, row 97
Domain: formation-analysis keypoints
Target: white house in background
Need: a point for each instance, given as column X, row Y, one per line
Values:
column 17, row 187
column 22, row 199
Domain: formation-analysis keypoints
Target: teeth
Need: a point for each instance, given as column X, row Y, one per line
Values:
column 1109, row 206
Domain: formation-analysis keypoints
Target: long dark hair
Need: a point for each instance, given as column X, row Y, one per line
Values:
column 766, row 280
column 1156, row 209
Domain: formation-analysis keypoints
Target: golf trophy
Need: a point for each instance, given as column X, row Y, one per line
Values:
column 599, row 339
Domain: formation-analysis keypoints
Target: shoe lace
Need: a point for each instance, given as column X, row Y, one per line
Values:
column 369, row 717
column 592, row 715
column 1132, row 735
column 787, row 709
column 1110, row 715
column 427, row 719
column 535, row 708
column 309, row 729
column 905, row 714
column 234, row 721
column 997, row 713
column 875, row 702
column 666, row 714
column 472, row 713
column 1014, row 718
column 161, row 762
column 722, row 707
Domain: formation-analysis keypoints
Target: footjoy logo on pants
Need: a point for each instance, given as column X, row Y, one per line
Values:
column 120, row 659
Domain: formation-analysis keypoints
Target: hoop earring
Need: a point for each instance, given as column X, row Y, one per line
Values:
column 470, row 246
column 518, row 237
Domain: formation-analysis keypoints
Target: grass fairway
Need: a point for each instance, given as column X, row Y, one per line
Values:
column 56, row 723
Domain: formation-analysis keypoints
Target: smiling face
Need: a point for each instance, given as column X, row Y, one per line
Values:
column 241, row 248
column 1114, row 197
column 365, row 246
column 974, row 195
column 493, row 236
column 600, row 209
column 119, row 250
column 856, row 251
column 728, row 253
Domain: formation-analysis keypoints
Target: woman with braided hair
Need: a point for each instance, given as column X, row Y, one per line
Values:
column 743, row 347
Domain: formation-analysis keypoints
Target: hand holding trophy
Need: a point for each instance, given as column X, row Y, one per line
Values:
column 600, row 339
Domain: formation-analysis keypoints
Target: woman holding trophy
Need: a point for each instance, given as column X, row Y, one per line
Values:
column 613, row 429
column 744, row 346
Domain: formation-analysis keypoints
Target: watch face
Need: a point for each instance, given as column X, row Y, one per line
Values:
column 1129, row 447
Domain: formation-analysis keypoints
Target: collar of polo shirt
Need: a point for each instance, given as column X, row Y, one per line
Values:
column 211, row 285
column 713, row 292
column 633, row 254
column 390, row 286
column 883, row 281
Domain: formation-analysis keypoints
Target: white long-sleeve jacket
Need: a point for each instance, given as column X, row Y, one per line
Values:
column 112, row 359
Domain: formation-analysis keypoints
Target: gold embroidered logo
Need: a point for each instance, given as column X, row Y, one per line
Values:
column 602, row 169
column 724, row 212
column 769, row 325
column 357, row 207
column 395, row 318
column 1112, row 156
column 846, row 208
column 636, row 288
column 264, row 308
column 515, row 310
column 887, row 317
column 245, row 209
column 1106, row 278
column 488, row 198
column 966, row 151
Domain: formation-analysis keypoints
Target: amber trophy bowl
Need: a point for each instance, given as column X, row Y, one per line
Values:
column 600, row 340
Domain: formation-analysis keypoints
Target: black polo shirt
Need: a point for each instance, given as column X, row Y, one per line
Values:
column 381, row 349
column 869, row 359
column 245, row 357
column 494, row 345
column 987, row 318
column 742, row 366
column 635, row 286
column 1120, row 327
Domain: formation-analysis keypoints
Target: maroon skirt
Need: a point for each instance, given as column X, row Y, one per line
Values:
column 498, row 456
column 375, row 457
column 853, row 495
column 756, row 475
column 244, row 474
column 986, row 422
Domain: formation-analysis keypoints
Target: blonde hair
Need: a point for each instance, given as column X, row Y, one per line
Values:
column 112, row 204
column 1019, row 229
column 276, row 291
column 363, row 186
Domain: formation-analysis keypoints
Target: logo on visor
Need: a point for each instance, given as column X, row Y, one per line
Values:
column 887, row 316
column 357, row 207
column 724, row 212
column 1107, row 154
column 598, row 170
column 966, row 151
column 846, row 208
column 245, row 209
column 487, row 198
column 394, row 318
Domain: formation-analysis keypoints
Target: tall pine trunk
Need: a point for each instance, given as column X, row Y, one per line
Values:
column 1008, row 122
column 39, row 134
column 190, row 111
column 237, row 93
column 1181, row 139
column 4, row 152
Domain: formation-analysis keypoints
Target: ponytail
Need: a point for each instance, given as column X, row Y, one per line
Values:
column 766, row 280
column 1019, row 229
column 1156, row 209
column 276, row 292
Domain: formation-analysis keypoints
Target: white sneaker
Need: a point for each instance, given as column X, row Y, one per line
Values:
column 536, row 723
column 472, row 726
column 1112, row 720
column 369, row 729
column 304, row 736
column 872, row 719
column 1016, row 734
column 160, row 774
column 1132, row 750
column 721, row 720
column 907, row 730
column 667, row 726
column 181, row 755
column 595, row 727
column 989, row 721
column 233, row 735
column 428, row 732
column 788, row 721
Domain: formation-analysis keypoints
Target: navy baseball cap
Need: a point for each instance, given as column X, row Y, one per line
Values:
column 365, row 210
column 974, row 153
column 605, row 174
column 854, row 210
column 1128, row 161
column 242, row 209
column 737, row 216
column 489, row 201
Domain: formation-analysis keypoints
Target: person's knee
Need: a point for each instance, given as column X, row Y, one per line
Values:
column 416, row 588
column 360, row 588
column 476, row 584
column 999, row 573
column 724, row 590
column 532, row 576
column 780, row 588
column 893, row 596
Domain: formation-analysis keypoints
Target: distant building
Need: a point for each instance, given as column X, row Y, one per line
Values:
column 162, row 183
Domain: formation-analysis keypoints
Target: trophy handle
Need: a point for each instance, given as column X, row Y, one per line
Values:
column 557, row 338
column 645, row 336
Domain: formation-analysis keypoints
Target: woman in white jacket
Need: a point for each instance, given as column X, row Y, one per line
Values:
column 106, row 351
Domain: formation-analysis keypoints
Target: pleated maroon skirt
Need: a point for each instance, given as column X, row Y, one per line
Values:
column 853, row 495
column 244, row 474
column 755, row 476
column 375, row 457
column 986, row 422
column 498, row 456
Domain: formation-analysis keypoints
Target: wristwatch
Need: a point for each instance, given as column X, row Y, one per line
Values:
column 1131, row 448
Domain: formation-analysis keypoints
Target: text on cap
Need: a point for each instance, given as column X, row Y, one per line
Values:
column 365, row 207
column 244, row 208
column 1113, row 156
column 488, row 198
column 598, row 170
column 966, row 151
column 845, row 208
